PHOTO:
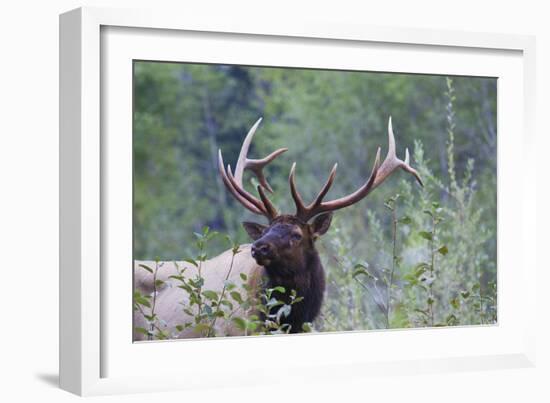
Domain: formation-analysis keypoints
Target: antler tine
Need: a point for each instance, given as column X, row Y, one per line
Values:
column 298, row 201
column 411, row 170
column 251, row 199
column 257, row 166
column 254, row 165
column 355, row 196
column 241, row 162
column 378, row 174
column 270, row 208
column 391, row 139
column 391, row 162
column 233, row 190
column 326, row 187
column 234, row 183
column 303, row 211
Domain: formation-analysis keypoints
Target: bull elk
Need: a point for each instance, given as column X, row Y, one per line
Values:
column 283, row 251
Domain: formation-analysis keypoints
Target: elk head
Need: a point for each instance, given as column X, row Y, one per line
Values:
column 287, row 239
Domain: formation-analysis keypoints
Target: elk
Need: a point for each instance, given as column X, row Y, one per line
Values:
column 283, row 251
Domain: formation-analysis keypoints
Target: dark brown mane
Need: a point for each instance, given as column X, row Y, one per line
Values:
column 308, row 281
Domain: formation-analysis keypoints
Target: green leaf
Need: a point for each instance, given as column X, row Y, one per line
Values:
column 273, row 302
column 211, row 295
column 465, row 294
column 412, row 280
column 236, row 296
column 201, row 327
column 243, row 276
column 280, row 289
column 421, row 268
column 142, row 331
column 226, row 303
column 211, row 235
column 443, row 250
column 137, row 294
column 142, row 301
column 192, row 261
column 159, row 283
column 197, row 282
column 186, row 287
column 229, row 285
column 455, row 303
column 143, row 266
column 239, row 322
column 359, row 269
column 426, row 235
column 451, row 320
column 405, row 220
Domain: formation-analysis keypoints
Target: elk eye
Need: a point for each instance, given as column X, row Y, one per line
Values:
column 296, row 237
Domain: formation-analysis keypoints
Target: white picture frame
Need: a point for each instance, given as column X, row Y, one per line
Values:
column 96, row 357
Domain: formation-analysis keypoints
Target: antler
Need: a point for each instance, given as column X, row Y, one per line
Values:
column 234, row 183
column 378, row 174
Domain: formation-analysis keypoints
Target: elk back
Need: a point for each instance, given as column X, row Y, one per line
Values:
column 171, row 299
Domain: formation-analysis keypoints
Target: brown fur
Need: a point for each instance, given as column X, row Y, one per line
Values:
column 286, row 248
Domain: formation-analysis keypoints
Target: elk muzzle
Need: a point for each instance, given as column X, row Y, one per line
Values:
column 263, row 252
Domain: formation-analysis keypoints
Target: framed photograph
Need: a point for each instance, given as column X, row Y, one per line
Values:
column 237, row 198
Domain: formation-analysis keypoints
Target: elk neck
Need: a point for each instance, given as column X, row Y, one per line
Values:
column 307, row 278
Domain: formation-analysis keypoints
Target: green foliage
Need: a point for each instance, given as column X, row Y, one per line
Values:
column 406, row 257
column 440, row 248
column 235, row 303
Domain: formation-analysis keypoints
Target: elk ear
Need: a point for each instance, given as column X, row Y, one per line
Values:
column 254, row 230
column 321, row 224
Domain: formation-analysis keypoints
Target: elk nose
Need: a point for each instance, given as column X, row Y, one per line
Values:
column 261, row 249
